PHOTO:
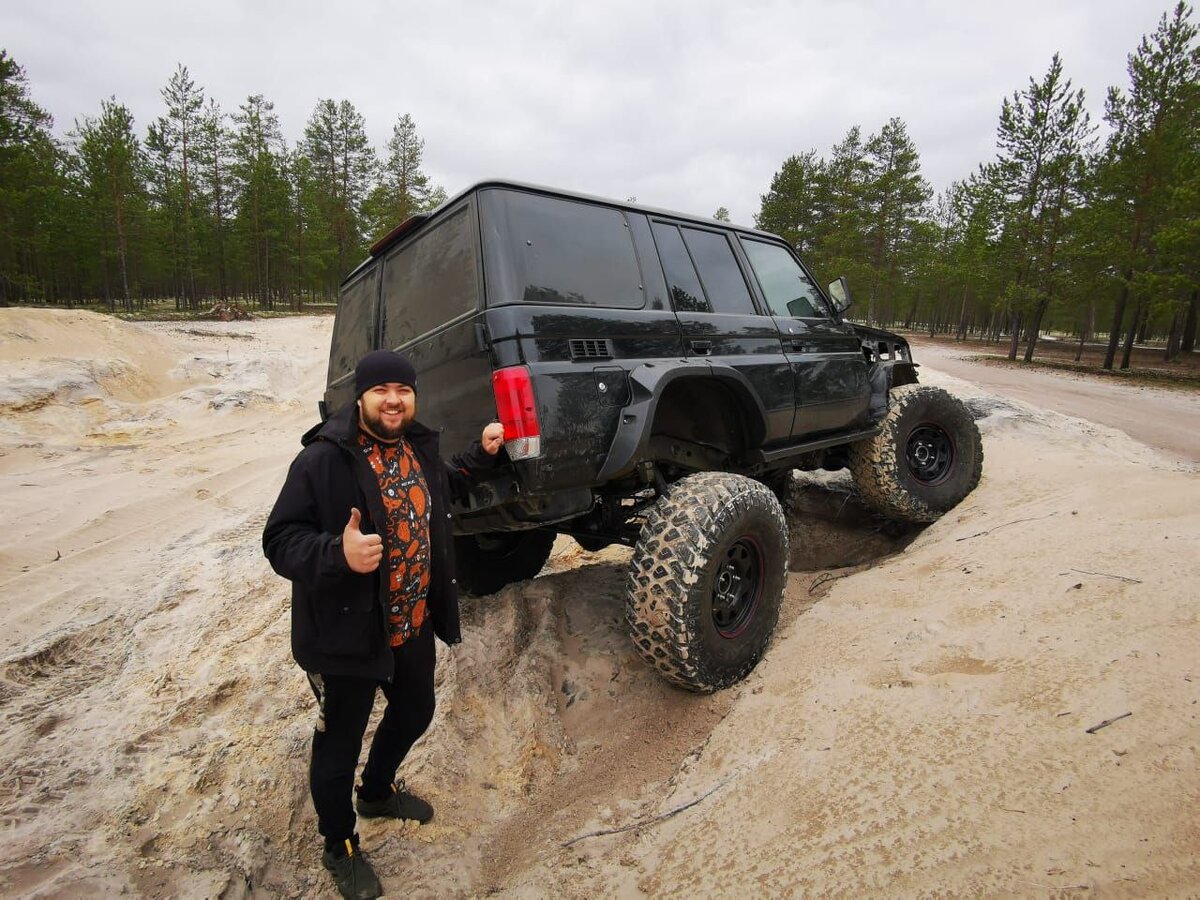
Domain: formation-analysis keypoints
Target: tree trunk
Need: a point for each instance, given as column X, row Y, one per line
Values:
column 1172, row 349
column 1016, row 336
column 1086, row 331
column 1127, row 350
column 1114, row 334
column 1188, row 342
column 1035, row 328
column 911, row 321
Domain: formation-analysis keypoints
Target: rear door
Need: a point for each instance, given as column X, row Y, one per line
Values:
column 832, row 389
column 719, row 318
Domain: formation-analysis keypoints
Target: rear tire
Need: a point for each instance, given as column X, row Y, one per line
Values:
column 487, row 562
column 707, row 580
column 925, row 460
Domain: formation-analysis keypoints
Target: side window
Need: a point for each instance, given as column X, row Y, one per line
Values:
column 789, row 291
column 354, row 327
column 686, row 293
column 430, row 281
column 719, row 271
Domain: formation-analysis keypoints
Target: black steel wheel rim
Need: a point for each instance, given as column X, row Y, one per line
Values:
column 737, row 587
column 930, row 453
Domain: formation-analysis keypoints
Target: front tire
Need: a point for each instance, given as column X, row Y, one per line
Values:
column 487, row 562
column 925, row 460
column 707, row 580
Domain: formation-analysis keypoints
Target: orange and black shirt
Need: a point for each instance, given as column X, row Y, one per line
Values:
column 405, row 496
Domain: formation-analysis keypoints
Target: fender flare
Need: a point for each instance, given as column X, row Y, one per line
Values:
column 884, row 377
column 648, row 383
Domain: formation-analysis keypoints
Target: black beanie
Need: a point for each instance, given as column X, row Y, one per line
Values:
column 383, row 367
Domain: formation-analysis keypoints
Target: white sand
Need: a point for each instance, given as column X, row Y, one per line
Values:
column 918, row 726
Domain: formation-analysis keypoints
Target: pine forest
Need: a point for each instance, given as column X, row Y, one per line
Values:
column 1075, row 227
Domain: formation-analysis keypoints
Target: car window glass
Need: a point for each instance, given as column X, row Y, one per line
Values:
column 354, row 327
column 561, row 251
column 430, row 280
column 787, row 287
column 686, row 293
column 719, row 271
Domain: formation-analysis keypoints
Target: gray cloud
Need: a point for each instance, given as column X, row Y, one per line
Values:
column 685, row 105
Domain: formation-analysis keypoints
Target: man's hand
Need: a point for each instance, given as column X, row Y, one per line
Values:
column 363, row 551
column 493, row 438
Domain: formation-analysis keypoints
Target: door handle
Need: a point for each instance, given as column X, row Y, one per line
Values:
column 701, row 347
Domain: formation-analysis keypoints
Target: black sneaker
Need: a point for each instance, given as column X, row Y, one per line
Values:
column 400, row 805
column 355, row 878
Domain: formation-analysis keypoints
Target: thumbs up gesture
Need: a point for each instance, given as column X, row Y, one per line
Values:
column 363, row 551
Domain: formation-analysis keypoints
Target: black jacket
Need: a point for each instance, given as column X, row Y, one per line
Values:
column 339, row 617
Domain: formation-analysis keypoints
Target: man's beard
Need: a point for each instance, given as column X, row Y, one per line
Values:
column 383, row 432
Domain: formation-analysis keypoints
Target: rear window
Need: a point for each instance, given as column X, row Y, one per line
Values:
column 431, row 280
column 547, row 250
column 354, row 328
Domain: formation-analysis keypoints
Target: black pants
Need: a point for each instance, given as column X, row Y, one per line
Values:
column 346, row 703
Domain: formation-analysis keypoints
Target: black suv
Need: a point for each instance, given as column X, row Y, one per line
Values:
column 658, row 376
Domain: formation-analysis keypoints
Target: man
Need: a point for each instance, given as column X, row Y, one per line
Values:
column 362, row 530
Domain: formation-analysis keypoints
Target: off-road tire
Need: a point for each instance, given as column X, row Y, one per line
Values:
column 926, row 459
column 487, row 562
column 711, row 531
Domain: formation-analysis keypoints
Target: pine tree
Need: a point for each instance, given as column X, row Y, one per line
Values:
column 171, row 141
column 403, row 188
column 894, row 199
column 791, row 207
column 28, row 176
column 111, row 162
column 215, row 189
column 343, row 164
column 842, row 212
column 1043, row 140
column 262, row 195
column 1148, row 158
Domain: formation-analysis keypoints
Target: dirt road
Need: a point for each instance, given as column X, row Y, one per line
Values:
column 1160, row 417
column 919, row 725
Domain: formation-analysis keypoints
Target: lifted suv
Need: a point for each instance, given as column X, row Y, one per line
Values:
column 658, row 375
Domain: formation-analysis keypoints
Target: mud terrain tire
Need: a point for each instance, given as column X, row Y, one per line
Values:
column 927, row 458
column 707, row 579
column 487, row 562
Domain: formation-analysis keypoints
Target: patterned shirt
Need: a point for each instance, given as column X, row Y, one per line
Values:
column 406, row 539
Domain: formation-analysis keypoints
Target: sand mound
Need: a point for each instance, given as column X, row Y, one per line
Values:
column 918, row 726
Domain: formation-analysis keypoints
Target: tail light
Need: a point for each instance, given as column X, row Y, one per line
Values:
column 517, row 410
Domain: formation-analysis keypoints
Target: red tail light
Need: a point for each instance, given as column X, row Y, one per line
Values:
column 517, row 410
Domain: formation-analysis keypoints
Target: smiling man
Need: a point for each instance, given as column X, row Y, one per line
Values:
column 362, row 530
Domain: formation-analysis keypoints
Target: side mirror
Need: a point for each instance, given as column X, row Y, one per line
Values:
column 839, row 292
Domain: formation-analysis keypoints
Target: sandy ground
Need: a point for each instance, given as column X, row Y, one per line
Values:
column 1163, row 418
column 918, row 727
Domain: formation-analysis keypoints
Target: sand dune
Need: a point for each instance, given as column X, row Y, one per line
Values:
column 919, row 725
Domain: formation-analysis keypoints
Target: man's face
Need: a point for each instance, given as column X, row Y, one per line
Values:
column 386, row 410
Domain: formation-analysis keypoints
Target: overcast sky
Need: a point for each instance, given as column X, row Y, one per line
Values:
column 685, row 105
